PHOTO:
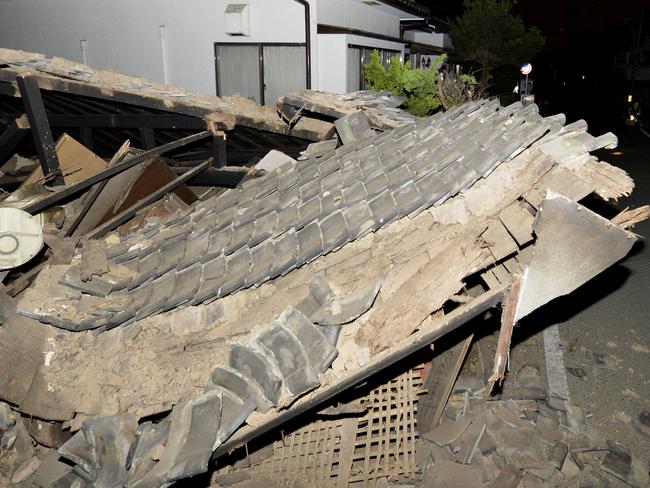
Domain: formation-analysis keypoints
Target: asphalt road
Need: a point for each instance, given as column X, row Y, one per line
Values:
column 604, row 329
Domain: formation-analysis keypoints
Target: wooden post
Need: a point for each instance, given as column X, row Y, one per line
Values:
column 37, row 116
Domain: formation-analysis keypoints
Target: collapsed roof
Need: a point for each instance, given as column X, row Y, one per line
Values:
column 302, row 283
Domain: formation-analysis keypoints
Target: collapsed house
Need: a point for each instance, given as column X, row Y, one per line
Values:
column 178, row 340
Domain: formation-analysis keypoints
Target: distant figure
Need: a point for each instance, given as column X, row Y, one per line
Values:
column 633, row 122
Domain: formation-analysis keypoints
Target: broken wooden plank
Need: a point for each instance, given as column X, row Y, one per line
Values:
column 439, row 383
column 498, row 241
column 95, row 192
column 425, row 291
column 76, row 161
column 559, row 180
column 148, row 200
column 519, row 222
column 70, row 190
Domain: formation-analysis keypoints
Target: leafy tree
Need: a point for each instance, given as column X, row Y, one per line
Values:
column 420, row 87
column 489, row 34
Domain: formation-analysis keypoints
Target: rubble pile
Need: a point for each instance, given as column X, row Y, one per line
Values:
column 524, row 444
column 289, row 281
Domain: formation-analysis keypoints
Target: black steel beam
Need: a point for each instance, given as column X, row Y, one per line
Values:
column 147, row 201
column 70, row 190
column 12, row 136
column 40, row 127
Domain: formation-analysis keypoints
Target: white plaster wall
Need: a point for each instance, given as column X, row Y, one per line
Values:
column 333, row 56
column 430, row 38
column 125, row 35
column 353, row 14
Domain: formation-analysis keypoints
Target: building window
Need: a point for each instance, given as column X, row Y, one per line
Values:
column 358, row 57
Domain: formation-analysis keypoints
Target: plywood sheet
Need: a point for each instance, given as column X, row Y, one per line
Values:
column 77, row 162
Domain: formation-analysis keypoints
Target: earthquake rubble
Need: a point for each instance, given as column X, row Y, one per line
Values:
column 319, row 293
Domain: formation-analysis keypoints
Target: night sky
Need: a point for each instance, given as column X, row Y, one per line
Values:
column 575, row 71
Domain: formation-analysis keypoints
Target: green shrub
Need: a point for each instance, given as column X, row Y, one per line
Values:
column 419, row 86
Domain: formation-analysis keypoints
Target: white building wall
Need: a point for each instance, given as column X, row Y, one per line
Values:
column 333, row 58
column 353, row 14
column 124, row 35
column 430, row 38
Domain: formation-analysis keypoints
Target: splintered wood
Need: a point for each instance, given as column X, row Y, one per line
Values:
column 353, row 451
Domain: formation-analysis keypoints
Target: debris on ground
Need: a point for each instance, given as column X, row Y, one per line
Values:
column 211, row 271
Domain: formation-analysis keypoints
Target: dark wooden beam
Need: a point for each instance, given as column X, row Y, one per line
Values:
column 228, row 177
column 128, row 121
column 147, row 138
column 11, row 137
column 40, row 127
column 147, row 201
column 86, row 137
column 72, row 189
column 220, row 155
